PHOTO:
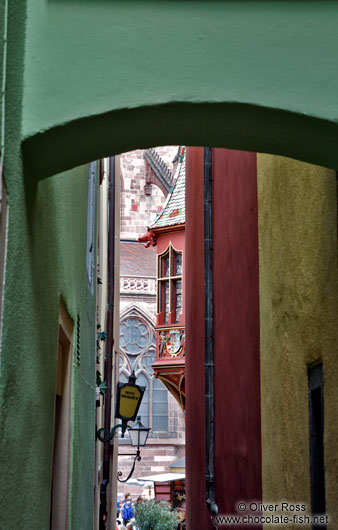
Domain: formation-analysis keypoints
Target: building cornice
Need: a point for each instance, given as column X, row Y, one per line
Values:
column 159, row 168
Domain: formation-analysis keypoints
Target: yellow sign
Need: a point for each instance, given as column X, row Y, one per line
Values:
column 129, row 399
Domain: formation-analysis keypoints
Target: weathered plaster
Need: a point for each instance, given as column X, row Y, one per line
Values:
column 299, row 325
column 46, row 262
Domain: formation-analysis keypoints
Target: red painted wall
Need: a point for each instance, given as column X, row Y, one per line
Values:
column 236, row 325
column 197, row 514
column 236, row 333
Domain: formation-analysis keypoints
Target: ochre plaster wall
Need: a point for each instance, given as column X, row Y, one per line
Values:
column 298, row 322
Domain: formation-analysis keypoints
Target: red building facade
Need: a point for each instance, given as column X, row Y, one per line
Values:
column 237, row 448
column 168, row 234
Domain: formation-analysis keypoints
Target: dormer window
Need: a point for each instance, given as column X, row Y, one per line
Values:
column 169, row 285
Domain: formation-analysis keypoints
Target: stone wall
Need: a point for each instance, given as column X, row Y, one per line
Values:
column 140, row 202
column 157, row 456
column 176, row 424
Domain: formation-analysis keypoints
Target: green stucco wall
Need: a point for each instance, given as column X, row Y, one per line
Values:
column 46, row 263
column 105, row 76
column 299, row 322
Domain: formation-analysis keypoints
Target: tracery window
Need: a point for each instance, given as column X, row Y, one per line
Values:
column 169, row 284
column 134, row 335
column 137, row 352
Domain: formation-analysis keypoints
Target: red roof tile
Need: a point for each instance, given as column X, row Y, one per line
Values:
column 173, row 211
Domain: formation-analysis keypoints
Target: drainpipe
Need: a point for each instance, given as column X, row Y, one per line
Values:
column 3, row 87
column 209, row 337
column 109, row 343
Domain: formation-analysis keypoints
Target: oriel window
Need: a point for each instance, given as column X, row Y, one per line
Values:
column 169, row 286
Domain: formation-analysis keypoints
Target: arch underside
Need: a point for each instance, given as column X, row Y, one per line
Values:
column 101, row 78
column 231, row 125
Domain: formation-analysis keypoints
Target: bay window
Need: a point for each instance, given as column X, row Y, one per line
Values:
column 169, row 285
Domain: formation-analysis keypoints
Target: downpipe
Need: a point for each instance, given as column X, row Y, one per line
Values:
column 3, row 87
column 209, row 337
column 109, row 344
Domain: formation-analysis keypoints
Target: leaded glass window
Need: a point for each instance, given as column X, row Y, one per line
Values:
column 166, row 266
column 166, row 301
column 178, row 298
column 138, row 343
column 169, row 284
column 178, row 263
column 160, row 406
column 143, row 380
column 134, row 336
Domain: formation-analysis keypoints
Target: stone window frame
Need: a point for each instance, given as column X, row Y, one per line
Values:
column 134, row 362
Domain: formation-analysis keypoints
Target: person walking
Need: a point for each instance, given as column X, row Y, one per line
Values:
column 127, row 510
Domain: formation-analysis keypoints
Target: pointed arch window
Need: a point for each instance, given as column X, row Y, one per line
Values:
column 137, row 352
column 169, row 285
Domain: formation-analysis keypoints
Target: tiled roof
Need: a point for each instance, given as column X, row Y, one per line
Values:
column 136, row 260
column 173, row 211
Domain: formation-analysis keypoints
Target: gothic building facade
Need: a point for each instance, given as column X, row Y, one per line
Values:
column 146, row 178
